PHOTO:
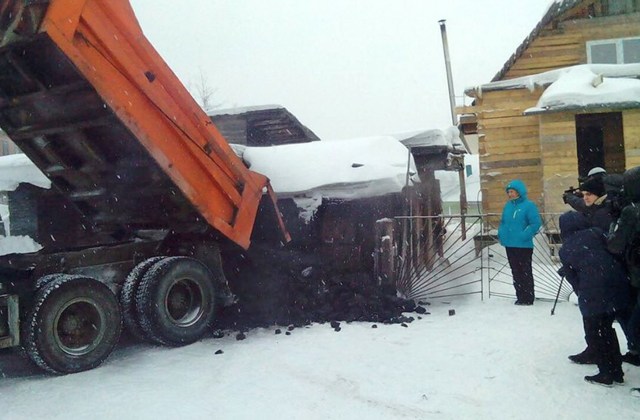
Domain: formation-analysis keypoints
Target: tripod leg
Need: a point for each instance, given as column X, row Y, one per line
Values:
column 553, row 310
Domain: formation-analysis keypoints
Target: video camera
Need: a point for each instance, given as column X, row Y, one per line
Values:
column 571, row 191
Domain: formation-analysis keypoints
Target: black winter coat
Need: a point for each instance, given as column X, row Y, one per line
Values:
column 600, row 213
column 624, row 237
column 599, row 279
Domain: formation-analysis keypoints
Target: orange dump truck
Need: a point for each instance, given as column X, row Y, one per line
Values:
column 156, row 187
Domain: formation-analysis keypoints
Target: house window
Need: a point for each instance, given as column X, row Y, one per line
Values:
column 614, row 51
column 620, row 7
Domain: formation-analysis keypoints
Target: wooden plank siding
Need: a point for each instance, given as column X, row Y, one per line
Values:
column 509, row 145
column 559, row 158
column 541, row 149
column 631, row 124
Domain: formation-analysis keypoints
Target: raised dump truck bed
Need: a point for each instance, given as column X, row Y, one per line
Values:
column 88, row 99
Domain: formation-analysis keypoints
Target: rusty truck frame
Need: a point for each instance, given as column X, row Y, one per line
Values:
column 159, row 191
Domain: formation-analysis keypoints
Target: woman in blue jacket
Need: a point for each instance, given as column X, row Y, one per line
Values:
column 519, row 224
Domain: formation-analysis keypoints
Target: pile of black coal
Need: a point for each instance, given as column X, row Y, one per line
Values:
column 285, row 287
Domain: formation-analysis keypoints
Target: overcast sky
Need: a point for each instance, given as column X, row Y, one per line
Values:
column 345, row 68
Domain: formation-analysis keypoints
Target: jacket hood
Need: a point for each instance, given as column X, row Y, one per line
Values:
column 612, row 183
column 571, row 222
column 519, row 186
column 631, row 183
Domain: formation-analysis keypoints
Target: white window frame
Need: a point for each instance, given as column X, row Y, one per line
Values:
column 618, row 44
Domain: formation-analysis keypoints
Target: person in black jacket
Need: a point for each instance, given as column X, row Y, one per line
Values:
column 624, row 239
column 601, row 284
column 574, row 197
column 598, row 208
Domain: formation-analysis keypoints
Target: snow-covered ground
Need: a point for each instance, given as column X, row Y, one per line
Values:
column 18, row 244
column 491, row 360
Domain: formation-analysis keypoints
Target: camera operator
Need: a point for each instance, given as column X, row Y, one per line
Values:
column 624, row 239
column 574, row 197
column 598, row 214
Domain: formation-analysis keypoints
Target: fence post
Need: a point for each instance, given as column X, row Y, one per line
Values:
column 384, row 254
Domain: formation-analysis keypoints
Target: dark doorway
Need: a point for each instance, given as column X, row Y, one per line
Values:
column 600, row 142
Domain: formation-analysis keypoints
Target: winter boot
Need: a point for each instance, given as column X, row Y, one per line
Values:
column 584, row 358
column 605, row 379
column 632, row 358
column 635, row 392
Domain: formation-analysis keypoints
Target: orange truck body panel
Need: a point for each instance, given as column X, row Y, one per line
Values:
column 101, row 50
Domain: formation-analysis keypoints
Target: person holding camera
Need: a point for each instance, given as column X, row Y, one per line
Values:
column 600, row 282
column 574, row 197
column 596, row 206
column 624, row 240
column 597, row 213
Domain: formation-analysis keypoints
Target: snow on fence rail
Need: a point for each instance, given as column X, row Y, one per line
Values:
column 454, row 255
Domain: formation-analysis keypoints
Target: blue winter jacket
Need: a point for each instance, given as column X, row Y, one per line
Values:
column 599, row 279
column 520, row 219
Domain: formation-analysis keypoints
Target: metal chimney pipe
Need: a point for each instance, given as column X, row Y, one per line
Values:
column 452, row 97
column 447, row 62
column 454, row 122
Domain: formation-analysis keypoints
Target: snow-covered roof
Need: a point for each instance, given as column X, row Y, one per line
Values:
column 549, row 77
column 17, row 169
column 339, row 169
column 241, row 110
column 448, row 138
column 580, row 88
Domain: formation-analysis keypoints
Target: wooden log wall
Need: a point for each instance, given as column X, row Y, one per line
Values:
column 559, row 159
column 509, row 145
column 541, row 150
column 566, row 44
column 631, row 128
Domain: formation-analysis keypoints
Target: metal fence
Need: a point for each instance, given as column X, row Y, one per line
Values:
column 445, row 256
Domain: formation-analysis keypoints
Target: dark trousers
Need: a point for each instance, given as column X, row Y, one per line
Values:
column 520, row 263
column 632, row 327
column 629, row 320
column 602, row 339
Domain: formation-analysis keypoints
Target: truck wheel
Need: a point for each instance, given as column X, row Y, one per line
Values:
column 47, row 279
column 128, row 296
column 175, row 301
column 73, row 326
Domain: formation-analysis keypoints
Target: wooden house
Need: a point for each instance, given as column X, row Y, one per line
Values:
column 267, row 125
column 566, row 101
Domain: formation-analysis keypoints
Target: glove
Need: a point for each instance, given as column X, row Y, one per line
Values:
column 562, row 271
column 565, row 197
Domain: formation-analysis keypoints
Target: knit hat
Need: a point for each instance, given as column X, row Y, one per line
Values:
column 597, row 171
column 594, row 185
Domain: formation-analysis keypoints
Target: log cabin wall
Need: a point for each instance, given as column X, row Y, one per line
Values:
column 559, row 159
column 509, row 146
column 631, row 124
column 541, row 149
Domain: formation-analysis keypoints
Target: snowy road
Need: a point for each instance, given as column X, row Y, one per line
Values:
column 491, row 360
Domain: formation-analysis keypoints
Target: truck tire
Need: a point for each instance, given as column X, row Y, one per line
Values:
column 41, row 281
column 47, row 279
column 175, row 301
column 128, row 296
column 73, row 326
